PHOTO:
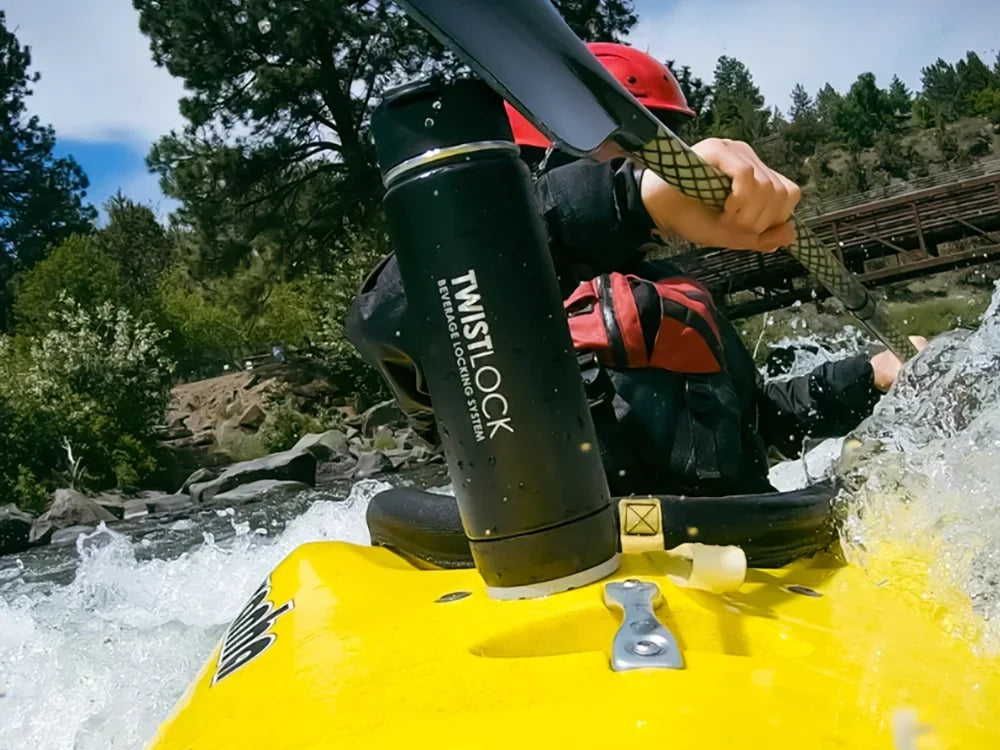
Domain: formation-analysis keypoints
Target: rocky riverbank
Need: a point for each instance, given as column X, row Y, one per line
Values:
column 373, row 442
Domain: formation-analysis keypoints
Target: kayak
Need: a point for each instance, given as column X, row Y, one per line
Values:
column 352, row 646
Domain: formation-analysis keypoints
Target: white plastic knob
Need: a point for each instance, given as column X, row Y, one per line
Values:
column 713, row 568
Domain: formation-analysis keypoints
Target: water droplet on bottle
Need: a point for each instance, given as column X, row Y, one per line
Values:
column 241, row 17
column 273, row 58
column 429, row 122
column 264, row 25
column 436, row 195
column 585, row 447
column 436, row 105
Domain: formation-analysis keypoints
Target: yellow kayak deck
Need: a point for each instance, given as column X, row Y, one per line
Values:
column 349, row 646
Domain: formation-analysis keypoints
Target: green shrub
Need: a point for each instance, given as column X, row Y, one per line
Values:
column 77, row 268
column 987, row 104
column 101, row 380
column 362, row 251
column 131, row 462
column 29, row 492
column 205, row 330
column 286, row 422
column 29, row 453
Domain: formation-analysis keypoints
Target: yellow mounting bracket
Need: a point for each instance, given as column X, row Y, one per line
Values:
column 641, row 524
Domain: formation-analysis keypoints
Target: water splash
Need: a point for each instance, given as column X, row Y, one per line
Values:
column 925, row 467
column 98, row 663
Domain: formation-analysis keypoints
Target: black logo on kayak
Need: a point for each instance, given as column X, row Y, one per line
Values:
column 248, row 637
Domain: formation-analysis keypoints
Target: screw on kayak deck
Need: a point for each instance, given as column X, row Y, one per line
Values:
column 641, row 642
column 454, row 596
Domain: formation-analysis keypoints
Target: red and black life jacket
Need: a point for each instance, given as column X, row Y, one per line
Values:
column 628, row 321
column 654, row 367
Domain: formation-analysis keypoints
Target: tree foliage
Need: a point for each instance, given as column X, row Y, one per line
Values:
column 863, row 113
column 135, row 241
column 900, row 97
column 77, row 268
column 738, row 106
column 41, row 196
column 276, row 147
column 698, row 96
column 806, row 130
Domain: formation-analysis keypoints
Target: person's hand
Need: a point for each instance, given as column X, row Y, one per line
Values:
column 886, row 365
column 756, row 215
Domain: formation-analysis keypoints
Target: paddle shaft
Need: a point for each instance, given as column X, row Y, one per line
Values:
column 684, row 170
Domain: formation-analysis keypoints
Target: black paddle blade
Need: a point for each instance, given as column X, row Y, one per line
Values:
column 526, row 52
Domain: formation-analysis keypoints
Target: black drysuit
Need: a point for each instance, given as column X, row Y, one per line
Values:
column 658, row 431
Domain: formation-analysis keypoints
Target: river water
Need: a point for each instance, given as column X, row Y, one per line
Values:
column 97, row 642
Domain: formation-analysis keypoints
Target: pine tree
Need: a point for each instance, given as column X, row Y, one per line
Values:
column 134, row 239
column 802, row 104
column 942, row 89
column 739, row 110
column 805, row 131
column 828, row 104
column 899, row 96
column 41, row 197
column 867, row 111
column 698, row 96
column 973, row 77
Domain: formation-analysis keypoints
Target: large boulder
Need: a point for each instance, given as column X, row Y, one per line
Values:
column 15, row 526
column 161, row 502
column 253, row 417
column 299, row 466
column 69, row 508
column 255, row 490
column 370, row 463
column 123, row 508
column 323, row 445
column 69, row 535
column 198, row 477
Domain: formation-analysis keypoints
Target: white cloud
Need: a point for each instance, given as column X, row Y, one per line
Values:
column 99, row 82
column 785, row 42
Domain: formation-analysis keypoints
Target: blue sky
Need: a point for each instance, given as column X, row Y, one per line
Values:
column 108, row 102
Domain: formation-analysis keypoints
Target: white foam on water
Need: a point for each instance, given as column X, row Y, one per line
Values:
column 811, row 467
column 99, row 663
column 925, row 467
column 929, row 466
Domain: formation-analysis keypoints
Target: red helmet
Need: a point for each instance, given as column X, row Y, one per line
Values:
column 648, row 80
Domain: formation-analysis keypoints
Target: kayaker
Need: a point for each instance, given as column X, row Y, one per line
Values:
column 677, row 402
